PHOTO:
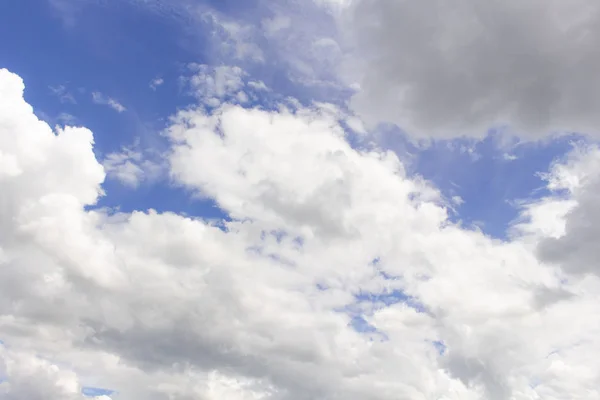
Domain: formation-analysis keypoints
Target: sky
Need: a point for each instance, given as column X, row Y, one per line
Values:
column 318, row 199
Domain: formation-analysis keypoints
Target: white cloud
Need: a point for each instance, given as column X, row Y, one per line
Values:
column 29, row 377
column 296, row 38
column 160, row 306
column 303, row 39
column 443, row 70
column 563, row 226
column 156, row 82
column 100, row 98
column 274, row 25
column 575, row 247
column 258, row 85
column 132, row 166
column 66, row 118
column 63, row 94
column 457, row 200
column 233, row 39
column 214, row 85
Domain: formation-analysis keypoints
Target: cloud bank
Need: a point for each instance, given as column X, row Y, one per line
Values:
column 338, row 277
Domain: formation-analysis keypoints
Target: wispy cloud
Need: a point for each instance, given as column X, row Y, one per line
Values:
column 63, row 94
column 66, row 118
column 156, row 83
column 100, row 98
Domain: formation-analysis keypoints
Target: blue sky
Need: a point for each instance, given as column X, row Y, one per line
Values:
column 119, row 50
column 488, row 179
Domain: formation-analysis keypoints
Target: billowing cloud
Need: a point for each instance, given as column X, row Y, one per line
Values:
column 338, row 277
column 443, row 70
column 27, row 376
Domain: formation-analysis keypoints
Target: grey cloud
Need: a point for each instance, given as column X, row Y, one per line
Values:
column 546, row 296
column 441, row 69
column 578, row 250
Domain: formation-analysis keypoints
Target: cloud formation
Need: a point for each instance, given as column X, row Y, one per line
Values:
column 156, row 82
column 102, row 99
column 63, row 94
column 576, row 249
column 338, row 276
column 131, row 166
column 443, row 70
column 32, row 377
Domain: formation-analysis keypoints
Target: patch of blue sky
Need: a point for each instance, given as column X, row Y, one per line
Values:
column 361, row 325
column 440, row 346
column 114, row 51
column 388, row 298
column 490, row 180
column 160, row 196
column 485, row 178
column 96, row 392
column 245, row 10
column 365, row 303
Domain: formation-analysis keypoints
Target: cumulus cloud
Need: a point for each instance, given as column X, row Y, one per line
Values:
column 161, row 306
column 222, row 141
column 443, row 70
column 100, row 98
column 27, row 376
column 213, row 85
column 576, row 247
